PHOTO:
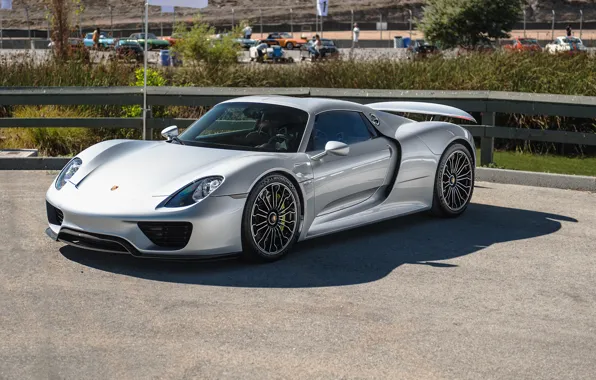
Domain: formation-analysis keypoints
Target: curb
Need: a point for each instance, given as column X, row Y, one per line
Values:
column 33, row 163
column 556, row 181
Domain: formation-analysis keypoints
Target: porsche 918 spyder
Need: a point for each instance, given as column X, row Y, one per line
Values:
column 256, row 174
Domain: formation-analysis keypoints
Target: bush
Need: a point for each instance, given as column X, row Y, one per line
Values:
column 199, row 44
column 468, row 22
column 154, row 78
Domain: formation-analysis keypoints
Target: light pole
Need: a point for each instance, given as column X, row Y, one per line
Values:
column 524, row 23
column 48, row 22
column 28, row 25
column 261, row 21
column 111, row 22
column 581, row 23
column 381, row 24
column 410, row 11
column 352, row 24
column 233, row 21
column 291, row 21
column 552, row 36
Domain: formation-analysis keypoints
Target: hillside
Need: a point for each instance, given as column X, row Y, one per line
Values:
column 127, row 13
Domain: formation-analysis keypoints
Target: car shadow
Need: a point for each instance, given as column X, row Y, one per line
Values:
column 356, row 256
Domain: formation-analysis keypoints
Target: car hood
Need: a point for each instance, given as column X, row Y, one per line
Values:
column 149, row 168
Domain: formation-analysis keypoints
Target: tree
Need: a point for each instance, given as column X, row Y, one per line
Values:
column 202, row 44
column 468, row 22
column 59, row 11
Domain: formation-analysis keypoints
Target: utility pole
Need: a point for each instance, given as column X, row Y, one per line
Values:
column 261, row 18
column 111, row 22
column 291, row 21
column 233, row 21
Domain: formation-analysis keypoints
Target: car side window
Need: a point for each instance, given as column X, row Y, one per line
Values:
column 348, row 127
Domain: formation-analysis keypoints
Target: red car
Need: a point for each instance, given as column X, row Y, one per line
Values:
column 523, row 44
column 172, row 39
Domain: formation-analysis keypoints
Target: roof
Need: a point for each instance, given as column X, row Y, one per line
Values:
column 310, row 105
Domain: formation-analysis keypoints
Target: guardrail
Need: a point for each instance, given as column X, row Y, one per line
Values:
column 488, row 103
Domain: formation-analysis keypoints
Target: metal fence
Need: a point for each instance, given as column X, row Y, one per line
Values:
column 488, row 103
column 286, row 17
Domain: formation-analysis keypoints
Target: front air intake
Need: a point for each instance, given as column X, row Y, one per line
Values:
column 55, row 215
column 171, row 235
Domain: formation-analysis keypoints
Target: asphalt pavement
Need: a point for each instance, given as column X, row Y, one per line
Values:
column 504, row 292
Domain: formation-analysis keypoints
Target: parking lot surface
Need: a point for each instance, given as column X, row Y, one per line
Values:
column 504, row 292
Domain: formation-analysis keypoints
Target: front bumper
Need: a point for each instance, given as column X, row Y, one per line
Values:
column 216, row 226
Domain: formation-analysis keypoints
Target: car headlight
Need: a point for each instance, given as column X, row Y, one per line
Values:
column 68, row 172
column 195, row 192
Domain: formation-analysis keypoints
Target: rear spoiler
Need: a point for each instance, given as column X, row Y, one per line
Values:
column 422, row 108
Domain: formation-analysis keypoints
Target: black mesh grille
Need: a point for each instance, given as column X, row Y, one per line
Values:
column 174, row 235
column 59, row 216
column 92, row 241
column 55, row 215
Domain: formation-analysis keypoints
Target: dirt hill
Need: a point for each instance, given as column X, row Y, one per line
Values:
column 127, row 13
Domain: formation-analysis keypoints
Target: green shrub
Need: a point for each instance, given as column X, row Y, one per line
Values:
column 154, row 78
column 198, row 45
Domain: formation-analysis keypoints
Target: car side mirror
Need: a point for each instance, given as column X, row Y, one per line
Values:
column 333, row 147
column 170, row 132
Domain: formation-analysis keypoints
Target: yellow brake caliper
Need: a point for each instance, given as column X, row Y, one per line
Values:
column 283, row 218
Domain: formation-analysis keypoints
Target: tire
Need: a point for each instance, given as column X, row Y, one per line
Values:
column 270, row 228
column 289, row 46
column 454, row 182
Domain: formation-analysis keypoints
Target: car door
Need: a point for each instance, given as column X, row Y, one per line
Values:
column 345, row 181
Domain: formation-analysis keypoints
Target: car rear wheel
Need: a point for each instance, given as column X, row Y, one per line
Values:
column 289, row 46
column 271, row 219
column 454, row 182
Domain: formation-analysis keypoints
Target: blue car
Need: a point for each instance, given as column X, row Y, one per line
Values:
column 105, row 42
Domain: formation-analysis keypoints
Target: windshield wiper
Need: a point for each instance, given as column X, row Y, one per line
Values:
column 175, row 138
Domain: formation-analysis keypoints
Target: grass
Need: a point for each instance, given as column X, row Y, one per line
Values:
column 58, row 141
column 544, row 163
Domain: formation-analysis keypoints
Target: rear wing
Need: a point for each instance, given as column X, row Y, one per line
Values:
column 422, row 108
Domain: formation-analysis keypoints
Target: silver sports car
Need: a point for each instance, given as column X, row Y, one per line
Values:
column 256, row 174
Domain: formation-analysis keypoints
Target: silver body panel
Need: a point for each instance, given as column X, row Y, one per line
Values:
column 385, row 177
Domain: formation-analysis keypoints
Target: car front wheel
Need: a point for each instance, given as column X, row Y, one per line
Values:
column 271, row 219
column 289, row 46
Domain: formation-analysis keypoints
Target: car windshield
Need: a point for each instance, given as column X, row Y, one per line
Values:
column 249, row 126
column 327, row 43
column 150, row 36
column 572, row 40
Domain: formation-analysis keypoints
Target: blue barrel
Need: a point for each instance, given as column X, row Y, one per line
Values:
column 406, row 41
column 164, row 57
